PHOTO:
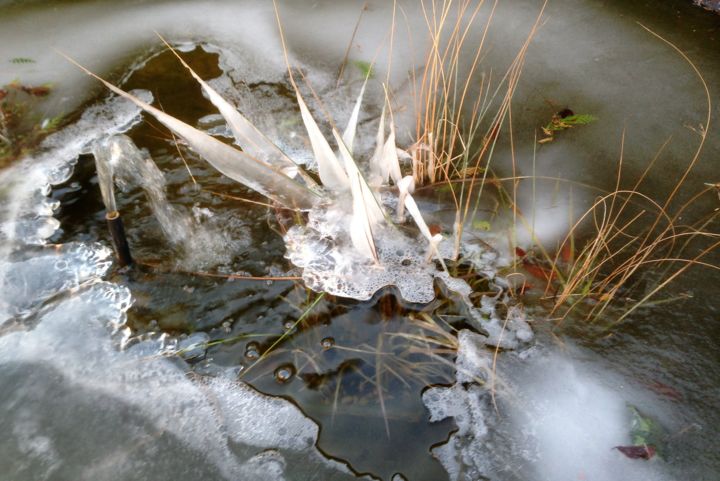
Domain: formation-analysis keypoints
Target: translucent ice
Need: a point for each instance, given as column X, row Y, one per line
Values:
column 200, row 244
column 544, row 416
column 25, row 210
column 37, row 276
column 81, row 409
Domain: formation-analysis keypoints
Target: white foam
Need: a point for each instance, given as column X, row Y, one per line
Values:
column 330, row 263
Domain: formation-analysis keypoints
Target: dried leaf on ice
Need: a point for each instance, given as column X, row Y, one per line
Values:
column 637, row 452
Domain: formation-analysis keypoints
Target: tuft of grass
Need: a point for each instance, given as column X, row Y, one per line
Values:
column 365, row 68
column 456, row 136
column 564, row 120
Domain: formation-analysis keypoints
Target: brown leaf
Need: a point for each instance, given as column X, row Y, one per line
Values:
column 637, row 452
column 36, row 91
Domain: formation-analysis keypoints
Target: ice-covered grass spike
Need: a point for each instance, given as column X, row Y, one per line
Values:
column 248, row 137
column 239, row 166
column 348, row 135
column 385, row 164
column 366, row 211
column 406, row 201
column 331, row 172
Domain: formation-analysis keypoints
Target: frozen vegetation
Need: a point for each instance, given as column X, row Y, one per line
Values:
column 70, row 368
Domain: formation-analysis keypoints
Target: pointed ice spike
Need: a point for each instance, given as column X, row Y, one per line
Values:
column 376, row 169
column 406, row 186
column 331, row 172
column 360, row 188
column 247, row 170
column 390, row 162
column 348, row 135
column 248, row 137
column 414, row 212
column 361, row 224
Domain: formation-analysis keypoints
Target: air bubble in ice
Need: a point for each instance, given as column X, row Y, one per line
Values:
column 252, row 351
column 284, row 373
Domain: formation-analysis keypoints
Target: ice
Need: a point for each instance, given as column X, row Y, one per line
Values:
column 57, row 375
column 194, row 346
column 542, row 415
column 25, row 210
column 575, row 418
column 468, row 401
column 27, row 282
column 322, row 248
column 200, row 243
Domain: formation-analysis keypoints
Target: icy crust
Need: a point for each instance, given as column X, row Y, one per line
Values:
column 330, row 263
column 26, row 212
column 468, row 402
column 551, row 418
column 71, row 382
column 27, row 282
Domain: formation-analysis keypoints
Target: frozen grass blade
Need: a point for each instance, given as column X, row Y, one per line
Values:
column 348, row 135
column 390, row 161
column 366, row 211
column 376, row 161
column 331, row 172
column 251, row 140
column 414, row 211
column 239, row 166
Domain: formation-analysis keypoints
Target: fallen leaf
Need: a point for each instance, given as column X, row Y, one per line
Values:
column 41, row 91
column 539, row 272
column 566, row 253
column 435, row 229
column 637, row 452
column 665, row 390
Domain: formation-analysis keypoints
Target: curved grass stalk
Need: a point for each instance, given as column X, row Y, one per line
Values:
column 250, row 139
column 239, row 166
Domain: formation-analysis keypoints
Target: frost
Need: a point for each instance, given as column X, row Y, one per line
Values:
column 551, row 417
column 469, row 404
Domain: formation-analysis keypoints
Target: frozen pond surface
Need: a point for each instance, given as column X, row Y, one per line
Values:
column 89, row 388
